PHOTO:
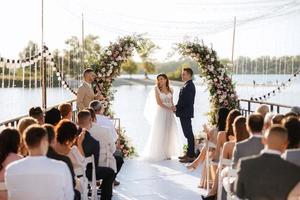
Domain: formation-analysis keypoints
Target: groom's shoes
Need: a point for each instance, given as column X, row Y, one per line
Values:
column 182, row 157
column 187, row 159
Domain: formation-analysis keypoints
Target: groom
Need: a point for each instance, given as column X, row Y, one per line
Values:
column 185, row 111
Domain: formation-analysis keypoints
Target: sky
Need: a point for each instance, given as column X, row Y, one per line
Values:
column 264, row 27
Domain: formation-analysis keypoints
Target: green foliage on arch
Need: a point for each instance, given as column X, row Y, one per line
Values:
column 221, row 89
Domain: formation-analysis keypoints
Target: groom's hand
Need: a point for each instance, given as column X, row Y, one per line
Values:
column 174, row 108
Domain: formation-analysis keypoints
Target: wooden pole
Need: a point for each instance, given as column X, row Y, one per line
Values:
column 43, row 66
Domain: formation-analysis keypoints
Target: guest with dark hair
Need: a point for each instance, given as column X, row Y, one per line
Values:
column 253, row 145
column 22, row 125
column 65, row 111
column 54, row 155
column 292, row 154
column 296, row 109
column 91, row 147
column 211, row 134
column 52, row 116
column 268, row 176
column 223, row 136
column 39, row 176
column 66, row 134
column 277, row 119
column 9, row 145
column 290, row 114
column 38, row 114
column 240, row 133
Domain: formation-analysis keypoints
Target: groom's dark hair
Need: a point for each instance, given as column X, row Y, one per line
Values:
column 189, row 71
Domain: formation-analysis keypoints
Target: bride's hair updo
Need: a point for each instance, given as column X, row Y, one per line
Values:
column 167, row 81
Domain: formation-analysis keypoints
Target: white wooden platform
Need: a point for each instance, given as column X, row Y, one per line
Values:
column 167, row 179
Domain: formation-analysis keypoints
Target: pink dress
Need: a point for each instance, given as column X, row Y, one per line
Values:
column 10, row 158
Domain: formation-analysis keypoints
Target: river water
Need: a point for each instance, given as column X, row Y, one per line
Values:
column 130, row 101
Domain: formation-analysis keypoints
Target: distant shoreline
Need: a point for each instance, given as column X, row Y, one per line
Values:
column 148, row 82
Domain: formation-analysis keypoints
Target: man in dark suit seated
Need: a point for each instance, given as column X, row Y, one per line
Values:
column 268, row 176
column 54, row 155
column 92, row 147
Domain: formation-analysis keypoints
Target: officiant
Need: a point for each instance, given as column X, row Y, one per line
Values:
column 86, row 92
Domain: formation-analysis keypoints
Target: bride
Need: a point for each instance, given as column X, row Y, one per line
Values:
column 163, row 141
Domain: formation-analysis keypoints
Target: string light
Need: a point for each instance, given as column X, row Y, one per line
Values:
column 279, row 89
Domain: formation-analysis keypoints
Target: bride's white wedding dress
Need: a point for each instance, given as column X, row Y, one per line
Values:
column 163, row 141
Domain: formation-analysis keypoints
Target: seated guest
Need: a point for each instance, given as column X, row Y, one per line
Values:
column 38, row 114
column 66, row 134
column 292, row 154
column 102, row 120
column 268, row 176
column 224, row 136
column 22, row 125
column 263, row 109
column 36, row 176
column 91, row 147
column 296, row 110
column 268, row 121
column 252, row 145
column 66, row 111
column 211, row 135
column 240, row 134
column 107, row 146
column 52, row 116
column 54, row 155
column 9, row 145
column 277, row 119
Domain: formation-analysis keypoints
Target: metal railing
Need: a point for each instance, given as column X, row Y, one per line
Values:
column 248, row 106
column 245, row 106
column 14, row 122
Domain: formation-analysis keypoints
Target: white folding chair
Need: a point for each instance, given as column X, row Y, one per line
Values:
column 227, row 183
column 222, row 163
column 85, row 181
column 208, row 161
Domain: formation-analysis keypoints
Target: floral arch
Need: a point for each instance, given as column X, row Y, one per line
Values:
column 221, row 89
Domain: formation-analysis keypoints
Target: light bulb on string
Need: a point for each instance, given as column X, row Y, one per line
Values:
column 59, row 78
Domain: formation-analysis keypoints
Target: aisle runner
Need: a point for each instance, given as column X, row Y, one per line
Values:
column 156, row 181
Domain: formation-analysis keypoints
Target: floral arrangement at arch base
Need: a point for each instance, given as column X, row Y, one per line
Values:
column 221, row 89
column 108, row 68
column 125, row 145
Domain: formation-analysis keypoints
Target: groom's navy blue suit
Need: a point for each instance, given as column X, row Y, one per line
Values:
column 185, row 111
